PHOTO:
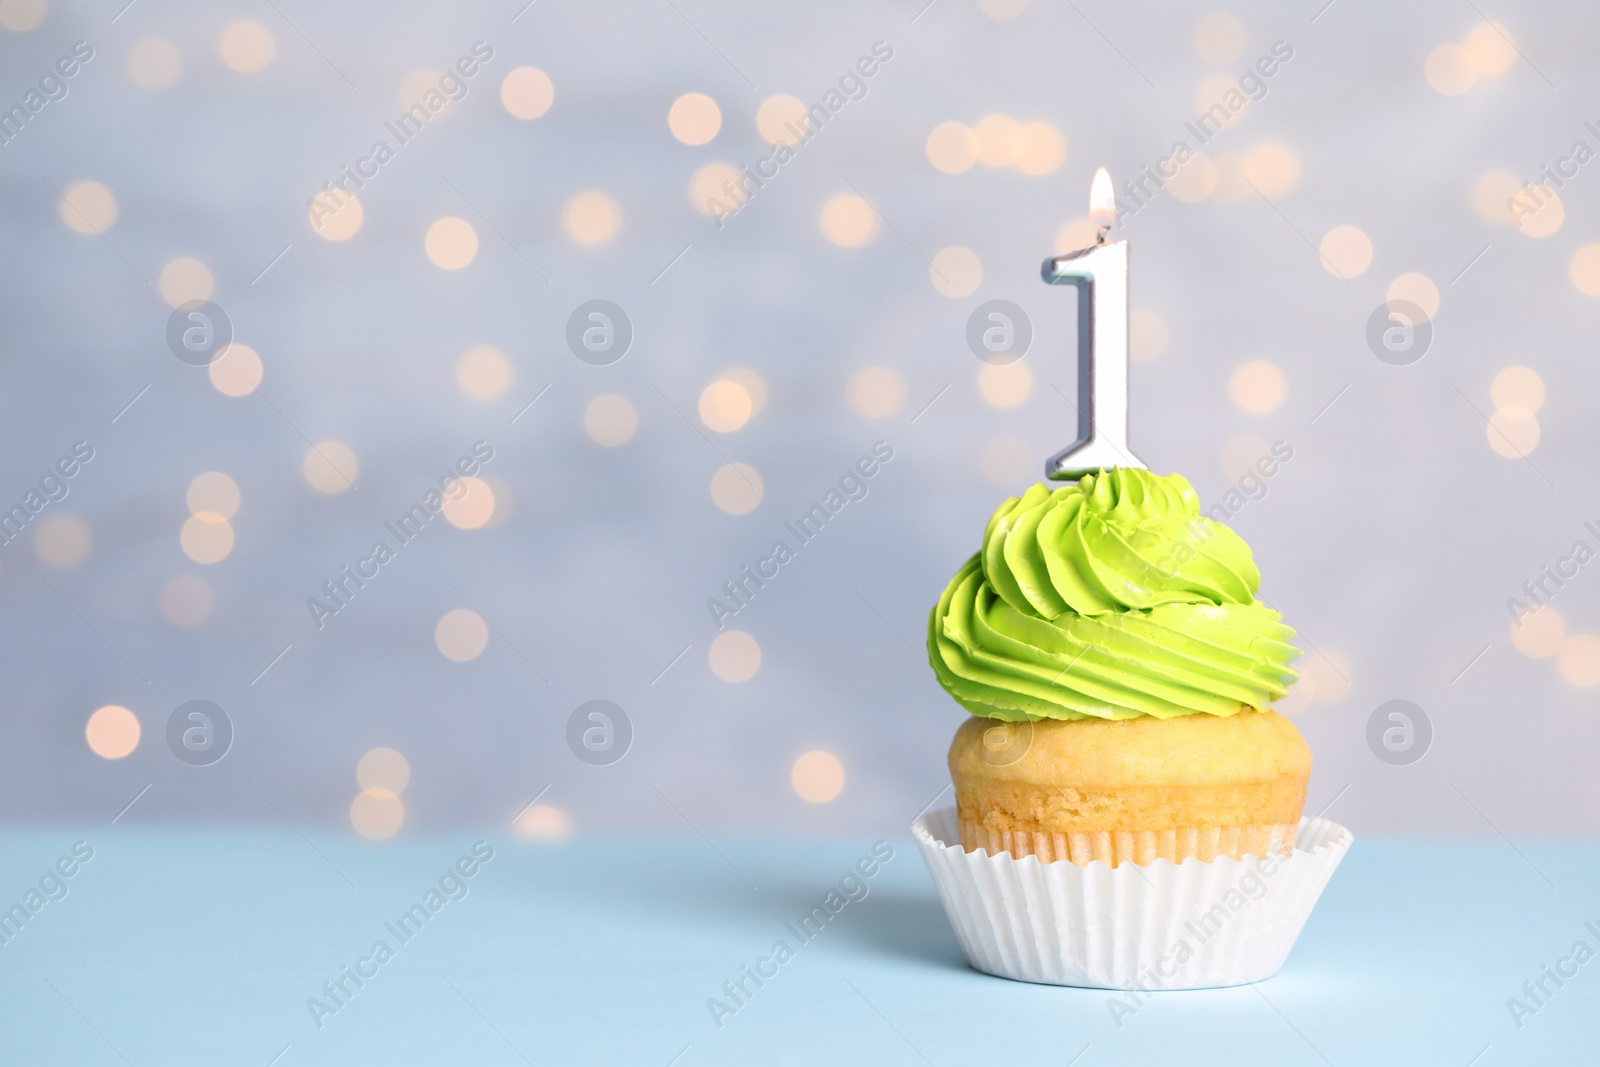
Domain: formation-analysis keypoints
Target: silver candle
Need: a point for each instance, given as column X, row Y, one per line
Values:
column 1100, row 273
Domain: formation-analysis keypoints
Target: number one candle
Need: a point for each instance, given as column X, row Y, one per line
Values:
column 1100, row 273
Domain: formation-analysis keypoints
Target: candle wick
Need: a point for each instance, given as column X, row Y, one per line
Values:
column 1100, row 236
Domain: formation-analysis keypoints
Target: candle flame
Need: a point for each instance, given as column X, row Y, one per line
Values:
column 1102, row 203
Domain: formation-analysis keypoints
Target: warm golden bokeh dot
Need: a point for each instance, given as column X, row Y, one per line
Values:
column 154, row 63
column 952, row 148
column 1539, row 633
column 1331, row 676
column 734, row 656
column 1273, row 168
column 876, row 392
column 543, row 822
column 1419, row 289
column 817, row 777
column 1002, row 10
column 1240, row 453
column 186, row 600
column 383, row 768
column 330, row 467
column 1009, row 464
column 1345, row 251
column 717, row 189
column 725, row 406
column 421, row 87
column 206, row 538
column 112, row 732
column 849, row 221
column 87, row 207
column 1450, row 70
column 1258, row 386
column 1492, row 194
column 483, row 372
column 1518, row 386
column 1079, row 233
column 183, row 280
column 694, row 118
column 247, row 47
column 956, row 272
column 1513, row 432
column 451, row 243
column 736, row 488
column 1147, row 335
column 1492, row 49
column 236, row 372
column 1585, row 270
column 1300, row 697
column 472, row 508
column 754, row 386
column 1541, row 212
column 336, row 216
column 20, row 16
column 527, row 93
column 591, row 218
column 62, row 540
column 461, row 635
column 610, row 420
column 1579, row 660
column 213, row 492
column 1005, row 386
column 1040, row 148
column 1219, row 38
column 1195, row 180
column 782, row 119
column 999, row 137
column 377, row 814
column 1211, row 93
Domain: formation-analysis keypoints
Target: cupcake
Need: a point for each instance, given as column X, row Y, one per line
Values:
column 1128, row 807
column 1119, row 668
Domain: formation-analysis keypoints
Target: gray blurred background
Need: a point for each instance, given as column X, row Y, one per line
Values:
column 1418, row 500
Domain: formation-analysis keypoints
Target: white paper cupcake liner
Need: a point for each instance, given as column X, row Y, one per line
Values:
column 1189, row 925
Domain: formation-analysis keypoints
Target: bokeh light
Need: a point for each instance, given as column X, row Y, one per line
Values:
column 472, row 507
column 956, row 272
column 183, row 280
column 591, row 217
column 694, row 118
column 112, row 732
column 1345, row 251
column 247, row 47
column 336, row 216
column 817, row 777
column 1005, row 386
column 725, row 406
column 754, row 386
column 154, row 63
column 717, row 189
column 1579, row 660
column 1009, row 464
column 1539, row 632
column 206, row 538
column 876, row 392
column 1331, row 676
column 849, row 221
column 1273, row 168
column 1585, row 270
column 483, row 372
column 952, row 148
column 215, row 493
column 1239, row 454
column 999, row 137
column 736, row 488
column 1147, row 335
column 377, row 814
column 330, row 467
column 20, row 16
column 1540, row 213
column 1195, row 180
column 543, row 822
column 1450, row 70
column 1002, row 10
column 734, row 656
column 236, row 372
column 421, row 88
column 610, row 420
column 87, row 207
column 1219, row 38
column 186, row 599
column 1492, row 195
column 1518, row 386
column 461, row 635
column 1258, row 386
column 383, row 768
column 62, row 539
column 1513, row 432
column 451, row 243
column 1492, row 49
column 527, row 93
column 1040, row 148
column 782, row 119
column 1079, row 233
column 1419, row 289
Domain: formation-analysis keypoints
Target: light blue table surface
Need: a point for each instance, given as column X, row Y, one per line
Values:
column 204, row 947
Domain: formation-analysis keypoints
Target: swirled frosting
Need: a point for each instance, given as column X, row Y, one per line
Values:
column 1109, row 599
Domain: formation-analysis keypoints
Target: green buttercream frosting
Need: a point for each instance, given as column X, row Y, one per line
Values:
column 1109, row 599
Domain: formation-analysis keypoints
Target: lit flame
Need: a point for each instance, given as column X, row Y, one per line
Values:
column 1102, row 203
